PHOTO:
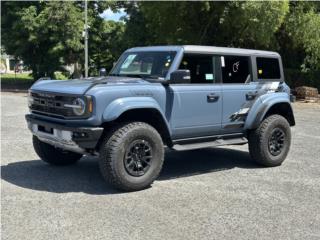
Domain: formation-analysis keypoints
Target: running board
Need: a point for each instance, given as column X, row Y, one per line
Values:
column 214, row 143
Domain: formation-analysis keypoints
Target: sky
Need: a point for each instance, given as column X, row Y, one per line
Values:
column 109, row 15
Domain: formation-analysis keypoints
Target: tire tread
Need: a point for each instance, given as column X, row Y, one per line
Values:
column 256, row 137
column 108, row 152
column 52, row 155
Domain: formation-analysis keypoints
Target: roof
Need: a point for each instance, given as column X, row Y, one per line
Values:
column 206, row 49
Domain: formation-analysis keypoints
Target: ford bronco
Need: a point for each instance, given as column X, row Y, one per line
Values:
column 181, row 97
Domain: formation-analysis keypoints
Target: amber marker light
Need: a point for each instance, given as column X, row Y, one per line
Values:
column 90, row 107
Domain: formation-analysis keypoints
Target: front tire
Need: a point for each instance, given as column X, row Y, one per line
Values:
column 131, row 156
column 52, row 155
column 269, row 144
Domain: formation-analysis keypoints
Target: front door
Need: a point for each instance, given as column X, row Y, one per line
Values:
column 197, row 106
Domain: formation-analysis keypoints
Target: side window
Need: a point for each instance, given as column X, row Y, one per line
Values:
column 235, row 69
column 268, row 68
column 202, row 67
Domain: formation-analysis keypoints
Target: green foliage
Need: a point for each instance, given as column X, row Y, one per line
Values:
column 241, row 24
column 48, row 34
column 26, row 77
column 10, row 79
column 303, row 25
column 105, row 45
column 61, row 75
column 291, row 28
column 44, row 35
column 252, row 24
column 296, row 78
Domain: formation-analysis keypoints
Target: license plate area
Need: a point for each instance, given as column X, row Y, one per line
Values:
column 45, row 129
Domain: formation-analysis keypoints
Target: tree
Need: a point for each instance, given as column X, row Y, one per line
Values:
column 240, row 24
column 106, row 45
column 303, row 28
column 291, row 28
column 48, row 35
column 45, row 35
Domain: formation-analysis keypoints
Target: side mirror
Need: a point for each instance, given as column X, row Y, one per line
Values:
column 180, row 76
column 102, row 72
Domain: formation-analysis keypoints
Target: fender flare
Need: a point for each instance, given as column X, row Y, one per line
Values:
column 262, row 105
column 121, row 105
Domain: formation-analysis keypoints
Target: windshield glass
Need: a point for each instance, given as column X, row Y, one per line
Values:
column 144, row 64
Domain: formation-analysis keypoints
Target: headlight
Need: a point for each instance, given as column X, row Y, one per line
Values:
column 80, row 106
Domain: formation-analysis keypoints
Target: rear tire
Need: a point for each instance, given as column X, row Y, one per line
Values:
column 269, row 144
column 53, row 155
column 131, row 156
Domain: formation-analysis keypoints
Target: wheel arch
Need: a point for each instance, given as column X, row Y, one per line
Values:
column 138, row 109
column 267, row 107
column 284, row 109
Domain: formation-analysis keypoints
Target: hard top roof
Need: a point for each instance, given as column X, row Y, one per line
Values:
column 205, row 49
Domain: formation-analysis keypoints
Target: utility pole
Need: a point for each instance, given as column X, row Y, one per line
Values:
column 86, row 36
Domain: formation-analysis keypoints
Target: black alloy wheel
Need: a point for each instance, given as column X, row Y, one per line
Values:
column 138, row 158
column 276, row 141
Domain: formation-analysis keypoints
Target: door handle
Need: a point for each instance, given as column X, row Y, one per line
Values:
column 212, row 97
column 251, row 95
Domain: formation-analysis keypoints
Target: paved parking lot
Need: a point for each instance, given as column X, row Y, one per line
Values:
column 213, row 193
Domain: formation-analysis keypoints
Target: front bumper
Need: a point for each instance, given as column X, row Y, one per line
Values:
column 75, row 139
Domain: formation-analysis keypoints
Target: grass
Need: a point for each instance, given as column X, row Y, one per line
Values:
column 22, row 80
column 19, row 78
column 13, row 81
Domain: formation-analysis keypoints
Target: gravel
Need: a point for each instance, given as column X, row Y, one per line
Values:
column 215, row 193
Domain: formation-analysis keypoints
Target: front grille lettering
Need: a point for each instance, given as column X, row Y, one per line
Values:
column 51, row 105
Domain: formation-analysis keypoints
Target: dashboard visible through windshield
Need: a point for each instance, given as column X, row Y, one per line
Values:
column 144, row 64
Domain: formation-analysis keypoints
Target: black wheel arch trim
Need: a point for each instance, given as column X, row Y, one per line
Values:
column 281, row 108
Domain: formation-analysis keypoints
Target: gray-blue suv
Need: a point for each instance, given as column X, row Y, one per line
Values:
column 181, row 97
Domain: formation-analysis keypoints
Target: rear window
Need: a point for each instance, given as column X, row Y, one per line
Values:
column 268, row 68
column 235, row 69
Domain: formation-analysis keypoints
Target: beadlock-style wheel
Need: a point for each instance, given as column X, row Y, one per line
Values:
column 269, row 144
column 276, row 141
column 131, row 156
column 138, row 158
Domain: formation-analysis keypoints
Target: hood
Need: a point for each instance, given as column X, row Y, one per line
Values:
column 80, row 86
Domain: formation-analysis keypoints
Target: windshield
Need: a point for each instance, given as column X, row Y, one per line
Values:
column 144, row 64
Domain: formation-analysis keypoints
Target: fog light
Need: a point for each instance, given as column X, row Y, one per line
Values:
column 80, row 135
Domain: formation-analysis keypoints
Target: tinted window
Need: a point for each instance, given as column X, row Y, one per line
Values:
column 235, row 69
column 268, row 68
column 202, row 67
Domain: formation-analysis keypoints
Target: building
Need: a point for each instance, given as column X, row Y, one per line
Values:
column 9, row 64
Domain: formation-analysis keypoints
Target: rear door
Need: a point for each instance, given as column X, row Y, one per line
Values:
column 238, row 90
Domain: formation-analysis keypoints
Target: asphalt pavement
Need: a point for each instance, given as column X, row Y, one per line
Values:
column 216, row 193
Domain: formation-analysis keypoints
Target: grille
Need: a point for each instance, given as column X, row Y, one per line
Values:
column 51, row 105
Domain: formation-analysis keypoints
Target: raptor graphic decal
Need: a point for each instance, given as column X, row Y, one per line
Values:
column 252, row 97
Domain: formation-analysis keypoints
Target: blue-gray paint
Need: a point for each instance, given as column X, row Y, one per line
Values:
column 184, row 107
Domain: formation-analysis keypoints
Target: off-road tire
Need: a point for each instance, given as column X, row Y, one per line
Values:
column 113, row 152
column 260, row 138
column 53, row 155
